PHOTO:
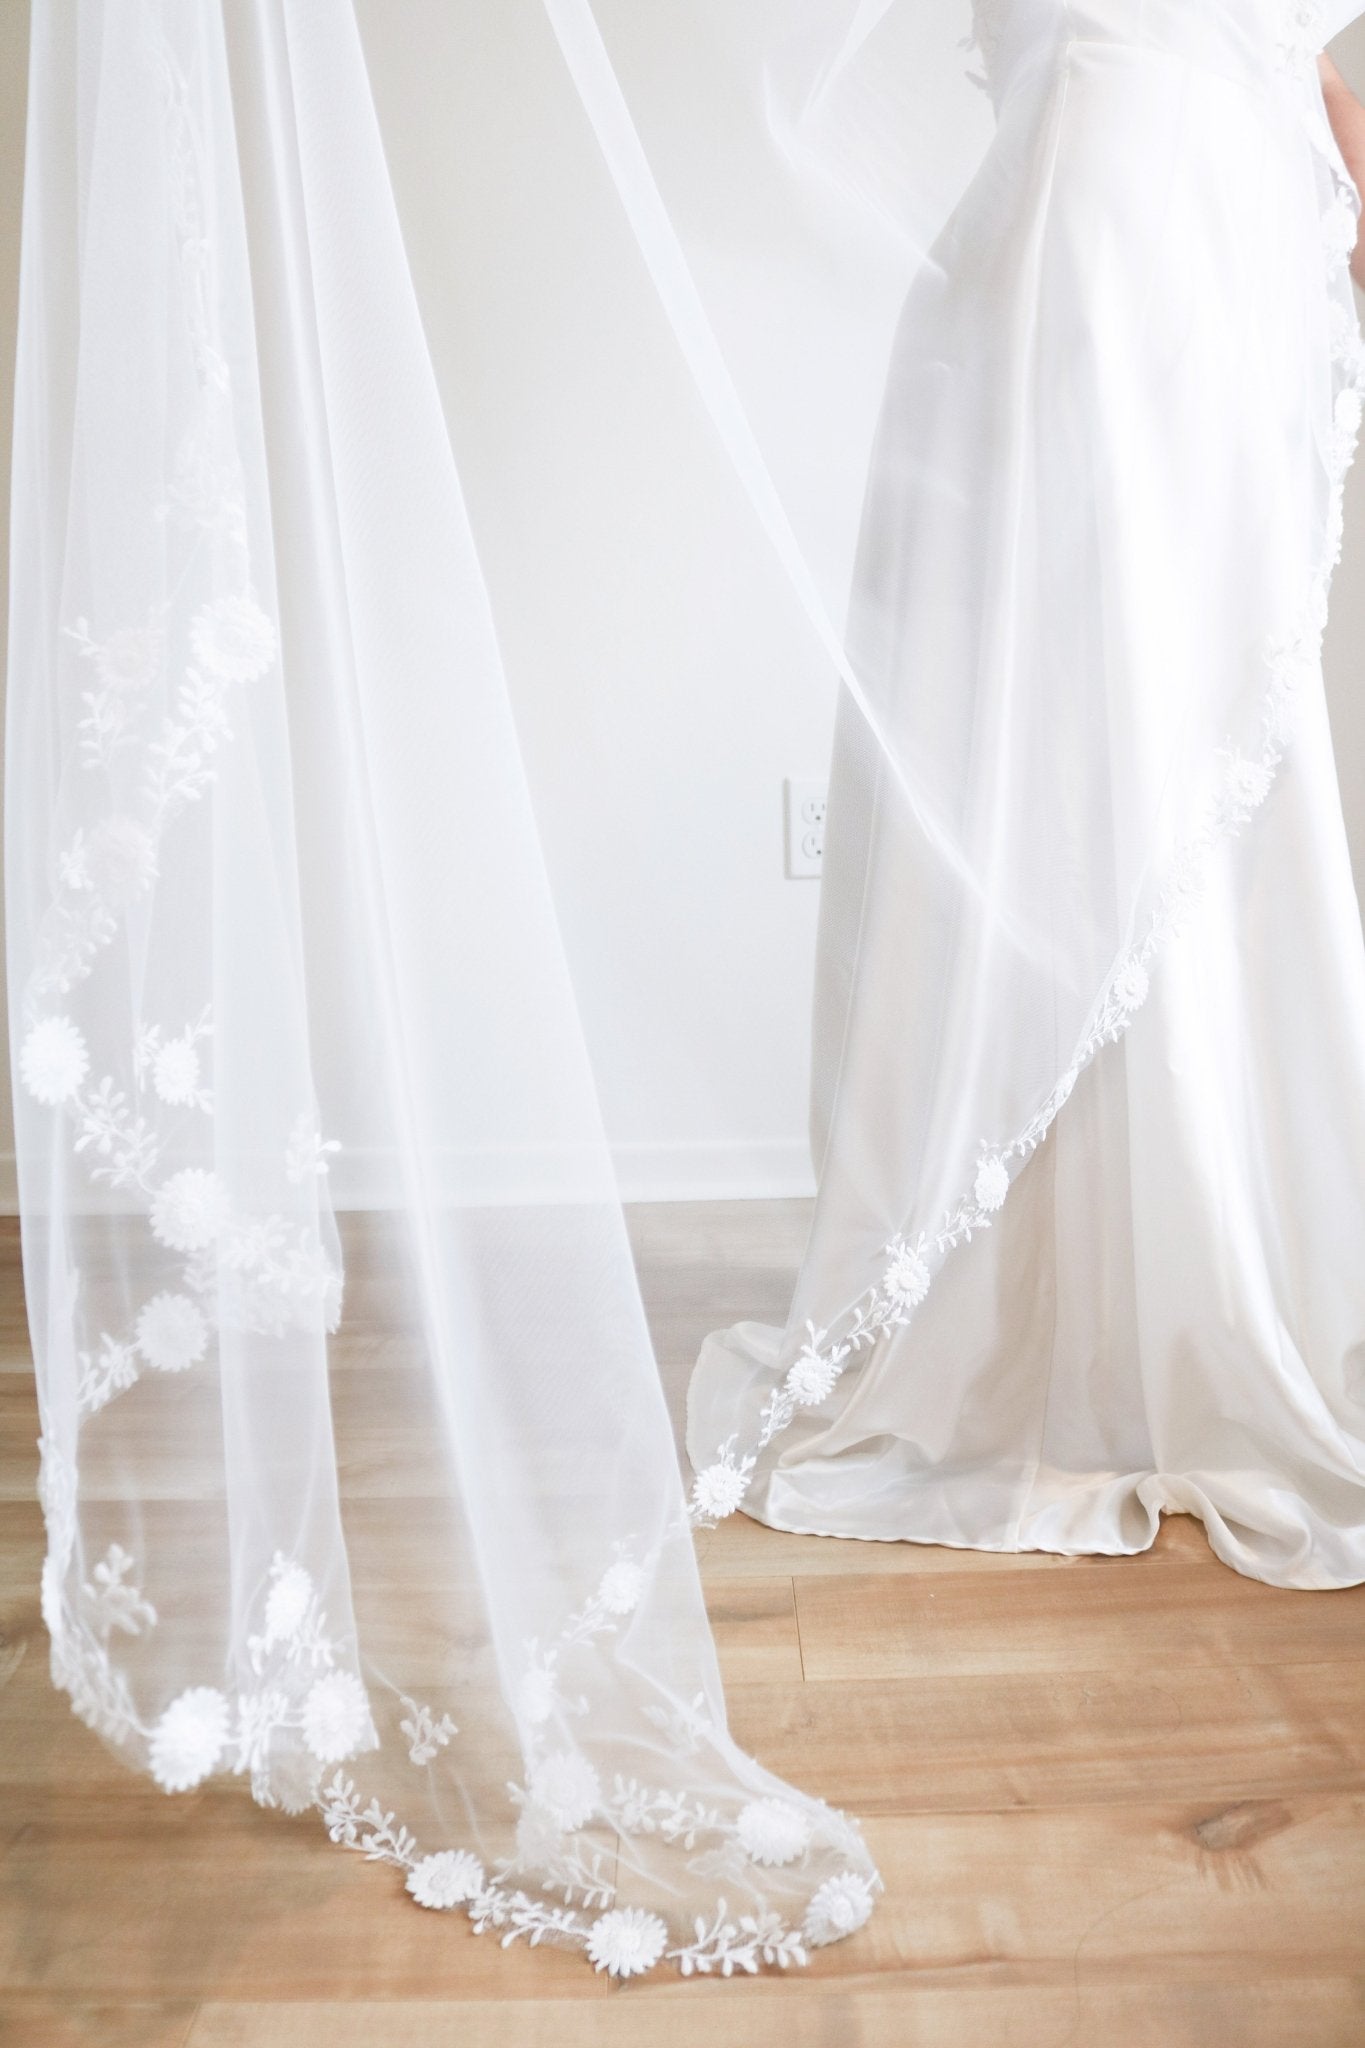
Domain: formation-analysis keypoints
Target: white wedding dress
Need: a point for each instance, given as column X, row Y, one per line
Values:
column 1091, row 1121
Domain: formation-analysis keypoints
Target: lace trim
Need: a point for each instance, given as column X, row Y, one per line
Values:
column 1242, row 784
column 1303, row 34
column 301, row 1689
column 988, row 27
column 623, row 1941
column 300, row 1686
column 563, row 1798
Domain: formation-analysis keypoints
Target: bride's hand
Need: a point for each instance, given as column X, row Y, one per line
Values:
column 1347, row 117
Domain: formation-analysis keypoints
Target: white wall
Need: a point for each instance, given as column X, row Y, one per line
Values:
column 657, row 730
column 659, row 712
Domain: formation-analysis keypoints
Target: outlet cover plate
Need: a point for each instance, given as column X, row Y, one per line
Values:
column 806, row 797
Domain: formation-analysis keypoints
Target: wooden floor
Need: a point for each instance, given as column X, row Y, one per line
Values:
column 1117, row 1803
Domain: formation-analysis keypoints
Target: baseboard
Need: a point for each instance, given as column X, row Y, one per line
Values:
column 772, row 1171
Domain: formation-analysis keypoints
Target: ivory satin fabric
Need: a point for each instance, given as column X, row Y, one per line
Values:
column 1107, row 472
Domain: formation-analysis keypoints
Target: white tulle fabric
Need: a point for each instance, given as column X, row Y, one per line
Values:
column 436, row 1583
column 1087, row 1168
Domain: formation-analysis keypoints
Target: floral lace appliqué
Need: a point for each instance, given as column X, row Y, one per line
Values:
column 1303, row 33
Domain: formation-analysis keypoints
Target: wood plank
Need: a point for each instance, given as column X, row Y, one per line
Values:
column 1314, row 2013
column 15, row 1355
column 696, row 1249
column 1122, row 1911
column 754, row 1623
column 110, row 1890
column 19, row 1431
column 998, row 1742
column 1189, row 1892
column 122, row 1893
column 1109, row 1618
column 76, row 2023
column 23, row 1544
column 1118, row 1803
column 705, row 1266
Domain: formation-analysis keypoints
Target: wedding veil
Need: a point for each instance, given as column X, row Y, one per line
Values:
column 438, row 1581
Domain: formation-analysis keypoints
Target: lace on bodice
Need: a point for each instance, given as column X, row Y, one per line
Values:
column 987, row 25
column 986, row 20
column 1291, row 32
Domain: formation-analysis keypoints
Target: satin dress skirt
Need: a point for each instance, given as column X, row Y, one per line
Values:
column 1089, row 1088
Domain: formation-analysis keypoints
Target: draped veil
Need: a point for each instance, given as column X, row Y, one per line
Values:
column 240, row 543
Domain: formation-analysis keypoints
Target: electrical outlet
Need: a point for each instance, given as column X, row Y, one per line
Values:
column 805, row 812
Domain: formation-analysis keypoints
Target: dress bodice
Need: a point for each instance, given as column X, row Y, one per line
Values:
column 1247, row 39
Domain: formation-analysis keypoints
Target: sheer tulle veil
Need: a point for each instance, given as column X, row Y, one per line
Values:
column 240, row 543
